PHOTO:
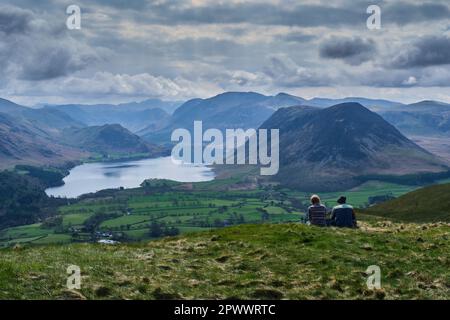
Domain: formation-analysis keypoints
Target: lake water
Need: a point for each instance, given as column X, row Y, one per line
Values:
column 93, row 177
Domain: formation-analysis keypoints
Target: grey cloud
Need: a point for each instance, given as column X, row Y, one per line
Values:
column 262, row 13
column 14, row 20
column 403, row 13
column 286, row 73
column 53, row 63
column 353, row 51
column 425, row 52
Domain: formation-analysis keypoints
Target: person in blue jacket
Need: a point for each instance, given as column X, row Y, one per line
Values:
column 343, row 215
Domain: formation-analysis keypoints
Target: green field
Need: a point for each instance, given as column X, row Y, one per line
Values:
column 128, row 214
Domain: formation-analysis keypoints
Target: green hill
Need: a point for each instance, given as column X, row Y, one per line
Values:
column 108, row 139
column 423, row 205
column 265, row 261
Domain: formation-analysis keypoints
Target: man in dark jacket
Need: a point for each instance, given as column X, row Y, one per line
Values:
column 343, row 215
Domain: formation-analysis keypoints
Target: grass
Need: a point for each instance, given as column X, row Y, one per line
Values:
column 426, row 204
column 265, row 261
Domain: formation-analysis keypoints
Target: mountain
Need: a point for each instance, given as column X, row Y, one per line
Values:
column 167, row 106
column 133, row 116
column 9, row 106
column 428, row 204
column 327, row 149
column 23, row 142
column 227, row 110
column 47, row 119
column 108, row 139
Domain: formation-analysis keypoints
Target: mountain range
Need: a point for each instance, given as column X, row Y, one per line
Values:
column 50, row 136
column 228, row 110
column 56, row 133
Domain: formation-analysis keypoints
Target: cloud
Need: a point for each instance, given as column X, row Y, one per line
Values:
column 286, row 73
column 402, row 13
column 263, row 13
column 14, row 20
column 353, row 51
column 50, row 63
column 425, row 52
column 185, row 49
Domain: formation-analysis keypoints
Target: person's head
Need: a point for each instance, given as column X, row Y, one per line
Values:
column 342, row 200
column 315, row 199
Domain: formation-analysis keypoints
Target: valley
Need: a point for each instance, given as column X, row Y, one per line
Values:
column 325, row 146
column 163, row 207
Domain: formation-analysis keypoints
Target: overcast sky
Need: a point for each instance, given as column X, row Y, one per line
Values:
column 180, row 49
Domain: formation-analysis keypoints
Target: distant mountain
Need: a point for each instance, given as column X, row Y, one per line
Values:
column 134, row 116
column 9, row 106
column 227, row 110
column 326, row 149
column 371, row 104
column 47, row 119
column 430, row 204
column 422, row 118
column 167, row 106
column 108, row 139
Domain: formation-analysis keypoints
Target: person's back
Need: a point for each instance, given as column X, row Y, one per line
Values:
column 343, row 215
column 317, row 212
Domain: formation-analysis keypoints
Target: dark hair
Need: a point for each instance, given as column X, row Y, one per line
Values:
column 342, row 200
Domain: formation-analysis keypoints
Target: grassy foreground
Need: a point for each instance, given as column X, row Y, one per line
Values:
column 266, row 261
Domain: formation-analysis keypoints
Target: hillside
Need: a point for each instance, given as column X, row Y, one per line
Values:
column 427, row 204
column 326, row 149
column 23, row 142
column 108, row 139
column 22, row 200
column 266, row 261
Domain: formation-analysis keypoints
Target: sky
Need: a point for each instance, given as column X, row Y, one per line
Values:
column 180, row 49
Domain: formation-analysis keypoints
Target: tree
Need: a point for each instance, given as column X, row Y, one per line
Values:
column 155, row 230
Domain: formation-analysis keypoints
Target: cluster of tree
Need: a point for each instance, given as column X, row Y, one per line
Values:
column 93, row 222
column 48, row 177
column 264, row 214
column 379, row 199
column 23, row 200
column 54, row 222
column 159, row 229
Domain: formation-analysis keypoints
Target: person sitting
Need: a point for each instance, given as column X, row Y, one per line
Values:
column 343, row 215
column 317, row 212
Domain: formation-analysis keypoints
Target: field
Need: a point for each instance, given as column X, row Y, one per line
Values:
column 168, row 208
column 264, row 261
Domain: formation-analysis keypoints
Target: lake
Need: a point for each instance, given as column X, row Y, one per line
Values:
column 93, row 177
